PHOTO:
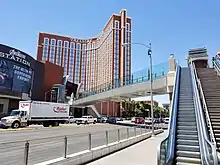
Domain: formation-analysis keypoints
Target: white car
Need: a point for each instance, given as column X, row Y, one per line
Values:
column 71, row 120
column 86, row 120
column 166, row 120
column 148, row 121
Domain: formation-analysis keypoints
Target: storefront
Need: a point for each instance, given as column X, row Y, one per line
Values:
column 16, row 77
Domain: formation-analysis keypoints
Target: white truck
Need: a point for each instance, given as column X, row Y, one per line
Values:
column 86, row 120
column 37, row 112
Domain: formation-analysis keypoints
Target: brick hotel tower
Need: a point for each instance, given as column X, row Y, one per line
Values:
column 93, row 61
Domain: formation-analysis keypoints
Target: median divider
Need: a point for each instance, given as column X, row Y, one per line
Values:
column 92, row 154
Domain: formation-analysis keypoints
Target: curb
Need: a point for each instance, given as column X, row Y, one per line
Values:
column 13, row 130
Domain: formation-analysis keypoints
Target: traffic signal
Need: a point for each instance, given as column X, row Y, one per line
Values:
column 71, row 88
column 149, row 52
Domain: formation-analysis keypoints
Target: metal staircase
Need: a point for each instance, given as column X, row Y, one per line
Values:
column 187, row 142
column 211, row 88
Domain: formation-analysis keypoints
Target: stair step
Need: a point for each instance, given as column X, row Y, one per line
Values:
column 217, row 139
column 186, row 105
column 216, row 127
column 185, row 108
column 187, row 131
column 188, row 154
column 186, row 123
column 217, row 135
column 187, row 142
column 186, row 119
column 215, row 123
column 181, row 163
column 190, row 148
column 215, row 119
column 213, row 105
column 186, row 112
column 193, row 128
column 187, row 137
column 189, row 161
column 212, row 109
column 217, row 131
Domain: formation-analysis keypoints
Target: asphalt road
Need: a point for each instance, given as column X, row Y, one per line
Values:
column 48, row 143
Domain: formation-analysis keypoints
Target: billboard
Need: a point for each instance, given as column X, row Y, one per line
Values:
column 16, row 70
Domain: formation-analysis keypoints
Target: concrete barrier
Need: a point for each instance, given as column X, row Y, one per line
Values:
column 98, row 152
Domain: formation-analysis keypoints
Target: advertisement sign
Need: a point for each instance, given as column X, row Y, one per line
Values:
column 16, row 71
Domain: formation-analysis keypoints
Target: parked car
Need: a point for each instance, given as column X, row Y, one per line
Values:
column 86, row 120
column 71, row 120
column 112, row 120
column 166, row 120
column 148, row 121
column 102, row 119
column 138, row 120
column 119, row 119
column 157, row 120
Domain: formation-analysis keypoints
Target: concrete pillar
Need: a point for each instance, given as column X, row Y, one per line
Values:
column 172, row 63
column 113, row 106
column 170, row 96
column 108, row 108
column 171, row 73
column 101, row 108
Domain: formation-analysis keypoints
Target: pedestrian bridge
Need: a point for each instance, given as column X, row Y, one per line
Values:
column 163, row 81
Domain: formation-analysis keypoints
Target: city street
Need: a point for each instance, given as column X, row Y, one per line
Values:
column 48, row 143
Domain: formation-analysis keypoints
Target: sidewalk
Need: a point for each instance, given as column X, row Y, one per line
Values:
column 143, row 153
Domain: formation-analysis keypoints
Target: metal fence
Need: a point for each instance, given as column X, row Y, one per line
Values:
column 43, row 149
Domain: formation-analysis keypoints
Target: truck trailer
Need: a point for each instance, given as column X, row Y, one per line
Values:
column 37, row 112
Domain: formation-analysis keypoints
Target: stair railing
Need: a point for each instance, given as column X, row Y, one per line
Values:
column 205, row 109
column 166, row 149
column 207, row 149
column 216, row 65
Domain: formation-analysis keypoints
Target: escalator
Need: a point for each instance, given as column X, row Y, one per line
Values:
column 186, row 142
column 210, row 83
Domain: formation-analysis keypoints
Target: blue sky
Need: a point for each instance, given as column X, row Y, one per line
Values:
column 171, row 26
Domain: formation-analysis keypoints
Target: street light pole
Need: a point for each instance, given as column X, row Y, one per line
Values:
column 151, row 80
column 151, row 88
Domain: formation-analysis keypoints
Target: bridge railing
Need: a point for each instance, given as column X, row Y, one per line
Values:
column 143, row 75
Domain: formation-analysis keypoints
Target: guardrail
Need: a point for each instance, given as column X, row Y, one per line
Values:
column 35, row 151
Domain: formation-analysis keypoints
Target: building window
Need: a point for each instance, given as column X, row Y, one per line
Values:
column 116, row 24
column 52, row 50
column 71, row 59
column 83, row 65
column 116, row 54
column 45, row 49
column 65, row 56
column 59, row 52
column 77, row 64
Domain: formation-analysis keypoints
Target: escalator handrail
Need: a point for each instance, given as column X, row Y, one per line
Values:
column 172, row 125
column 177, row 75
column 202, row 132
column 208, row 120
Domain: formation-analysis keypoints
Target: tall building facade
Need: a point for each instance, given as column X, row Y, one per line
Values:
column 94, row 62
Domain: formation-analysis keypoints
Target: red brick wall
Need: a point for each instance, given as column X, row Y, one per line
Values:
column 53, row 75
column 110, row 108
